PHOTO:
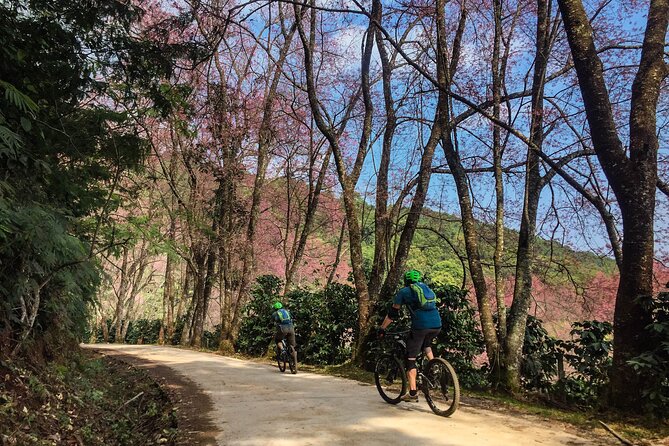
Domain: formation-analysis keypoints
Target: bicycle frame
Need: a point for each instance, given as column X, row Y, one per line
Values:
column 397, row 340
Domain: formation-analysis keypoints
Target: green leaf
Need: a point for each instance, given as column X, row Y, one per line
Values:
column 26, row 124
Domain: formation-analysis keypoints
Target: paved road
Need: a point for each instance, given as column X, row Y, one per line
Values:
column 254, row 404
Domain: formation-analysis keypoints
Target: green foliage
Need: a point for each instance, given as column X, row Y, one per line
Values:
column 212, row 339
column 140, row 331
column 324, row 321
column 588, row 354
column 541, row 353
column 587, row 358
column 143, row 331
column 589, row 351
column 460, row 340
column 257, row 328
column 64, row 67
column 653, row 365
column 327, row 322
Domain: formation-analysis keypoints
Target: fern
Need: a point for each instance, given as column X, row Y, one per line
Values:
column 18, row 99
column 9, row 141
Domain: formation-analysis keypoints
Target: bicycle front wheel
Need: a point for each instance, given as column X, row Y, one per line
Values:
column 391, row 381
column 441, row 387
column 281, row 361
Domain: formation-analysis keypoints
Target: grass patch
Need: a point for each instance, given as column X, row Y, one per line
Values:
column 642, row 430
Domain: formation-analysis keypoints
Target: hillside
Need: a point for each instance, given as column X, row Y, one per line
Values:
column 569, row 284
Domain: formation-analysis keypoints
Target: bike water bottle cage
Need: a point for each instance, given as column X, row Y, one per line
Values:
column 423, row 301
column 284, row 316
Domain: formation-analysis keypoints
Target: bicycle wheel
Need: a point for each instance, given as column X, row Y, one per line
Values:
column 291, row 362
column 441, row 387
column 281, row 361
column 391, row 381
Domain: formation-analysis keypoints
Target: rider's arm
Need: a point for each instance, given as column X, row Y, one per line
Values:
column 392, row 314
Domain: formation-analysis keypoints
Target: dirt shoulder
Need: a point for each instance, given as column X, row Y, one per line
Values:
column 82, row 399
column 191, row 404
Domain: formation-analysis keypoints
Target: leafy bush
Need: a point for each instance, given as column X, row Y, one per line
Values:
column 653, row 365
column 211, row 339
column 588, row 353
column 327, row 323
column 143, row 331
column 257, row 328
column 541, row 353
column 324, row 321
column 460, row 340
column 587, row 356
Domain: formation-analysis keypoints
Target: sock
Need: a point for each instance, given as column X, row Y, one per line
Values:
column 413, row 392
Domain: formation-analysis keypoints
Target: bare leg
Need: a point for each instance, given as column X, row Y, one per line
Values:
column 411, row 374
column 428, row 353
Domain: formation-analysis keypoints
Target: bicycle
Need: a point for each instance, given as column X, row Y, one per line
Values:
column 286, row 357
column 436, row 378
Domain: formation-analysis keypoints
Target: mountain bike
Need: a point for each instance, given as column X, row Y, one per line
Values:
column 286, row 357
column 436, row 378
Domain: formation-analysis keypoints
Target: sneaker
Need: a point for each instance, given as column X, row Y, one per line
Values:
column 407, row 398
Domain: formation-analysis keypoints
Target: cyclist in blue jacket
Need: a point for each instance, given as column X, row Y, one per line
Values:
column 285, row 329
column 425, row 323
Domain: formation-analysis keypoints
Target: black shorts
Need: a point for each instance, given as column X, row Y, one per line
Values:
column 287, row 333
column 420, row 340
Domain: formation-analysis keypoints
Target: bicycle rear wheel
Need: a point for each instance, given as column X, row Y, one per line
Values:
column 281, row 361
column 291, row 361
column 391, row 381
column 441, row 387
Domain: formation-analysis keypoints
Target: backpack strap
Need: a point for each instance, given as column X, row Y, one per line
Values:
column 420, row 295
column 283, row 315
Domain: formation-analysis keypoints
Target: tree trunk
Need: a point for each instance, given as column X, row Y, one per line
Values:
column 347, row 181
column 513, row 343
column 497, row 149
column 382, row 222
column 120, row 296
column 340, row 245
column 633, row 179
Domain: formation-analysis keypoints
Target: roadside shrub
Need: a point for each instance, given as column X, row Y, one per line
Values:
column 587, row 357
column 653, row 365
column 460, row 340
column 257, row 328
column 541, row 353
column 326, row 323
column 179, row 325
column 212, row 339
column 143, row 331
column 588, row 353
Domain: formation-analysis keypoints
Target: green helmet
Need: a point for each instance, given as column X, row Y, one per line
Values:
column 412, row 276
column 277, row 305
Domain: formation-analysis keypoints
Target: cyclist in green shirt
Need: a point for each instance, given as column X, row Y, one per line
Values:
column 425, row 323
